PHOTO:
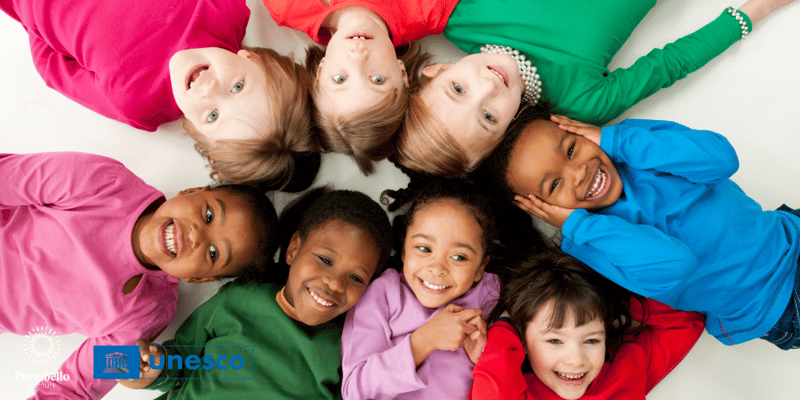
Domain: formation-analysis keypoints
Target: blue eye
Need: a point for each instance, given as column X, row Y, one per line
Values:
column 378, row 79
column 489, row 117
column 212, row 252
column 457, row 88
column 209, row 215
column 593, row 341
column 554, row 341
column 213, row 116
column 238, row 87
column 339, row 78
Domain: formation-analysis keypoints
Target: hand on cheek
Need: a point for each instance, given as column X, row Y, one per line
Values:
column 446, row 330
column 553, row 215
column 588, row 131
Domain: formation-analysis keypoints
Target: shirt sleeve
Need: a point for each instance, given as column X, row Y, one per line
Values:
column 80, row 364
column 637, row 257
column 697, row 155
column 668, row 337
column 60, row 180
column 67, row 76
column 374, row 367
column 498, row 373
column 622, row 88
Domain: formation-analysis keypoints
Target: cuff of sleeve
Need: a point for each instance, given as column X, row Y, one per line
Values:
column 573, row 222
column 609, row 140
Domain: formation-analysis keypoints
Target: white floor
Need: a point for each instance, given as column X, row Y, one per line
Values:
column 751, row 94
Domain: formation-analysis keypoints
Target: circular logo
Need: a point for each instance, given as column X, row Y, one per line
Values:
column 41, row 345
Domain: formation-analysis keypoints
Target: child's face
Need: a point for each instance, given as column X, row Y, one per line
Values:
column 360, row 67
column 222, row 94
column 443, row 253
column 562, row 169
column 198, row 235
column 568, row 359
column 475, row 99
column 329, row 270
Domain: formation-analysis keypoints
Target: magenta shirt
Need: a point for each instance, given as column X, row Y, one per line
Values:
column 377, row 362
column 112, row 56
column 66, row 221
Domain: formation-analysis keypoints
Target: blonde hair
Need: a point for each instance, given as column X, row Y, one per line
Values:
column 268, row 162
column 367, row 135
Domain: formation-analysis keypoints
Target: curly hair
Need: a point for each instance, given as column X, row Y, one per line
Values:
column 321, row 205
column 539, row 276
column 367, row 135
column 271, row 161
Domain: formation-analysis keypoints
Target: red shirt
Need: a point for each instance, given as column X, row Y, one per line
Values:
column 407, row 20
column 641, row 362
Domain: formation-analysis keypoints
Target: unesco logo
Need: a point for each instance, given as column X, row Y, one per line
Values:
column 122, row 362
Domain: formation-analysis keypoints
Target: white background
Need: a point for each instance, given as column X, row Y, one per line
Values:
column 749, row 94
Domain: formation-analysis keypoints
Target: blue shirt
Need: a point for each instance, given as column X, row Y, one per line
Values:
column 684, row 234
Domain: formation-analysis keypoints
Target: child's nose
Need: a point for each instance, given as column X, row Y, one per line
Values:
column 208, row 87
column 438, row 266
column 334, row 282
column 196, row 236
column 574, row 357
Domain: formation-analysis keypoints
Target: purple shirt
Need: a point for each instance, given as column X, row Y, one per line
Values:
column 377, row 362
column 112, row 56
column 66, row 221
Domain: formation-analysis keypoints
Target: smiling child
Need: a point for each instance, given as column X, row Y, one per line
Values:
column 89, row 248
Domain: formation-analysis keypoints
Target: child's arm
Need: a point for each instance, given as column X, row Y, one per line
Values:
column 668, row 334
column 59, row 180
column 498, row 373
column 699, row 156
column 640, row 258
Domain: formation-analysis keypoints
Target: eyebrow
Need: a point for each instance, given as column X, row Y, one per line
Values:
column 227, row 245
column 457, row 244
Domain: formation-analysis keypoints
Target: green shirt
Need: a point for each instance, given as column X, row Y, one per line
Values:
column 572, row 42
column 287, row 360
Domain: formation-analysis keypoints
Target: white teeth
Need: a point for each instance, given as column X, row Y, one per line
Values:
column 599, row 183
column 571, row 377
column 497, row 73
column 169, row 238
column 319, row 299
column 432, row 286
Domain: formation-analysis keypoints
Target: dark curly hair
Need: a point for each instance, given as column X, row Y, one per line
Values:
column 493, row 171
column 265, row 223
column 321, row 205
column 537, row 277
column 504, row 227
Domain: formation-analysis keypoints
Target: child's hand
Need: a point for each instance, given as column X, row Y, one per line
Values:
column 588, row 131
column 147, row 375
column 553, row 215
column 446, row 330
column 475, row 342
column 758, row 9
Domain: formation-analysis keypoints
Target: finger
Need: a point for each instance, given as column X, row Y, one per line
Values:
column 469, row 313
column 452, row 308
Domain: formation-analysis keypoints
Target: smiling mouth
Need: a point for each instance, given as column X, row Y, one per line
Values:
column 359, row 36
column 500, row 72
column 169, row 239
column 599, row 185
column 434, row 288
column 571, row 379
column 321, row 300
column 194, row 75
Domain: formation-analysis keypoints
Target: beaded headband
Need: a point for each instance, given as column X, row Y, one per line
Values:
column 533, row 85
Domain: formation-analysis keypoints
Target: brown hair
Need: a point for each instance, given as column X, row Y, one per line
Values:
column 367, row 135
column 268, row 162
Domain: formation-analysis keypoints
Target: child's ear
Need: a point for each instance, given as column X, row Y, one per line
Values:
column 192, row 190
column 246, row 53
column 293, row 248
column 202, row 280
column 403, row 70
column 432, row 70
column 479, row 271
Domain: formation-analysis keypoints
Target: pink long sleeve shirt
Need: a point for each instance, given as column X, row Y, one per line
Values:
column 377, row 362
column 66, row 221
column 112, row 56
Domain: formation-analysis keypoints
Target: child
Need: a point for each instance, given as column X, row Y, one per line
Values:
column 361, row 89
column 145, row 64
column 572, row 324
column 90, row 248
column 459, row 114
column 417, row 333
column 649, row 204
column 342, row 239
